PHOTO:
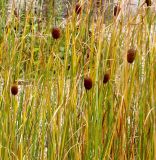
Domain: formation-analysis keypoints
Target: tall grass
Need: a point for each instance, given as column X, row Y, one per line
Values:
column 54, row 116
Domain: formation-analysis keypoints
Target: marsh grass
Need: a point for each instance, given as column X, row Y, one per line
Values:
column 54, row 116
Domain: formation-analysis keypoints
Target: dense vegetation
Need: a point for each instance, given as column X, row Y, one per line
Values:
column 80, row 88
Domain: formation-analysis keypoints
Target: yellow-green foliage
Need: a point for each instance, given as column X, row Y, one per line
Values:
column 53, row 116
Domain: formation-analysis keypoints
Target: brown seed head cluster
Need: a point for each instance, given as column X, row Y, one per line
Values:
column 106, row 78
column 90, row 33
column 148, row 2
column 14, row 89
column 98, row 3
column 116, row 10
column 15, row 13
column 78, row 8
column 56, row 33
column 131, row 54
column 88, row 83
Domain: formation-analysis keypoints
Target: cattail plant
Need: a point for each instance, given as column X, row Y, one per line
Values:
column 78, row 8
column 14, row 89
column 131, row 54
column 109, row 113
column 116, row 10
column 56, row 33
column 148, row 2
column 106, row 78
column 88, row 83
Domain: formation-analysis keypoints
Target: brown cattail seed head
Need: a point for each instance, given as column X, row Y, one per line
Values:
column 116, row 10
column 106, row 78
column 15, row 13
column 78, row 8
column 14, row 89
column 131, row 54
column 98, row 3
column 56, row 33
column 90, row 33
column 148, row 2
column 88, row 83
column 88, row 51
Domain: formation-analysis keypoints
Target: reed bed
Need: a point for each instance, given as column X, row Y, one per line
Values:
column 80, row 90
